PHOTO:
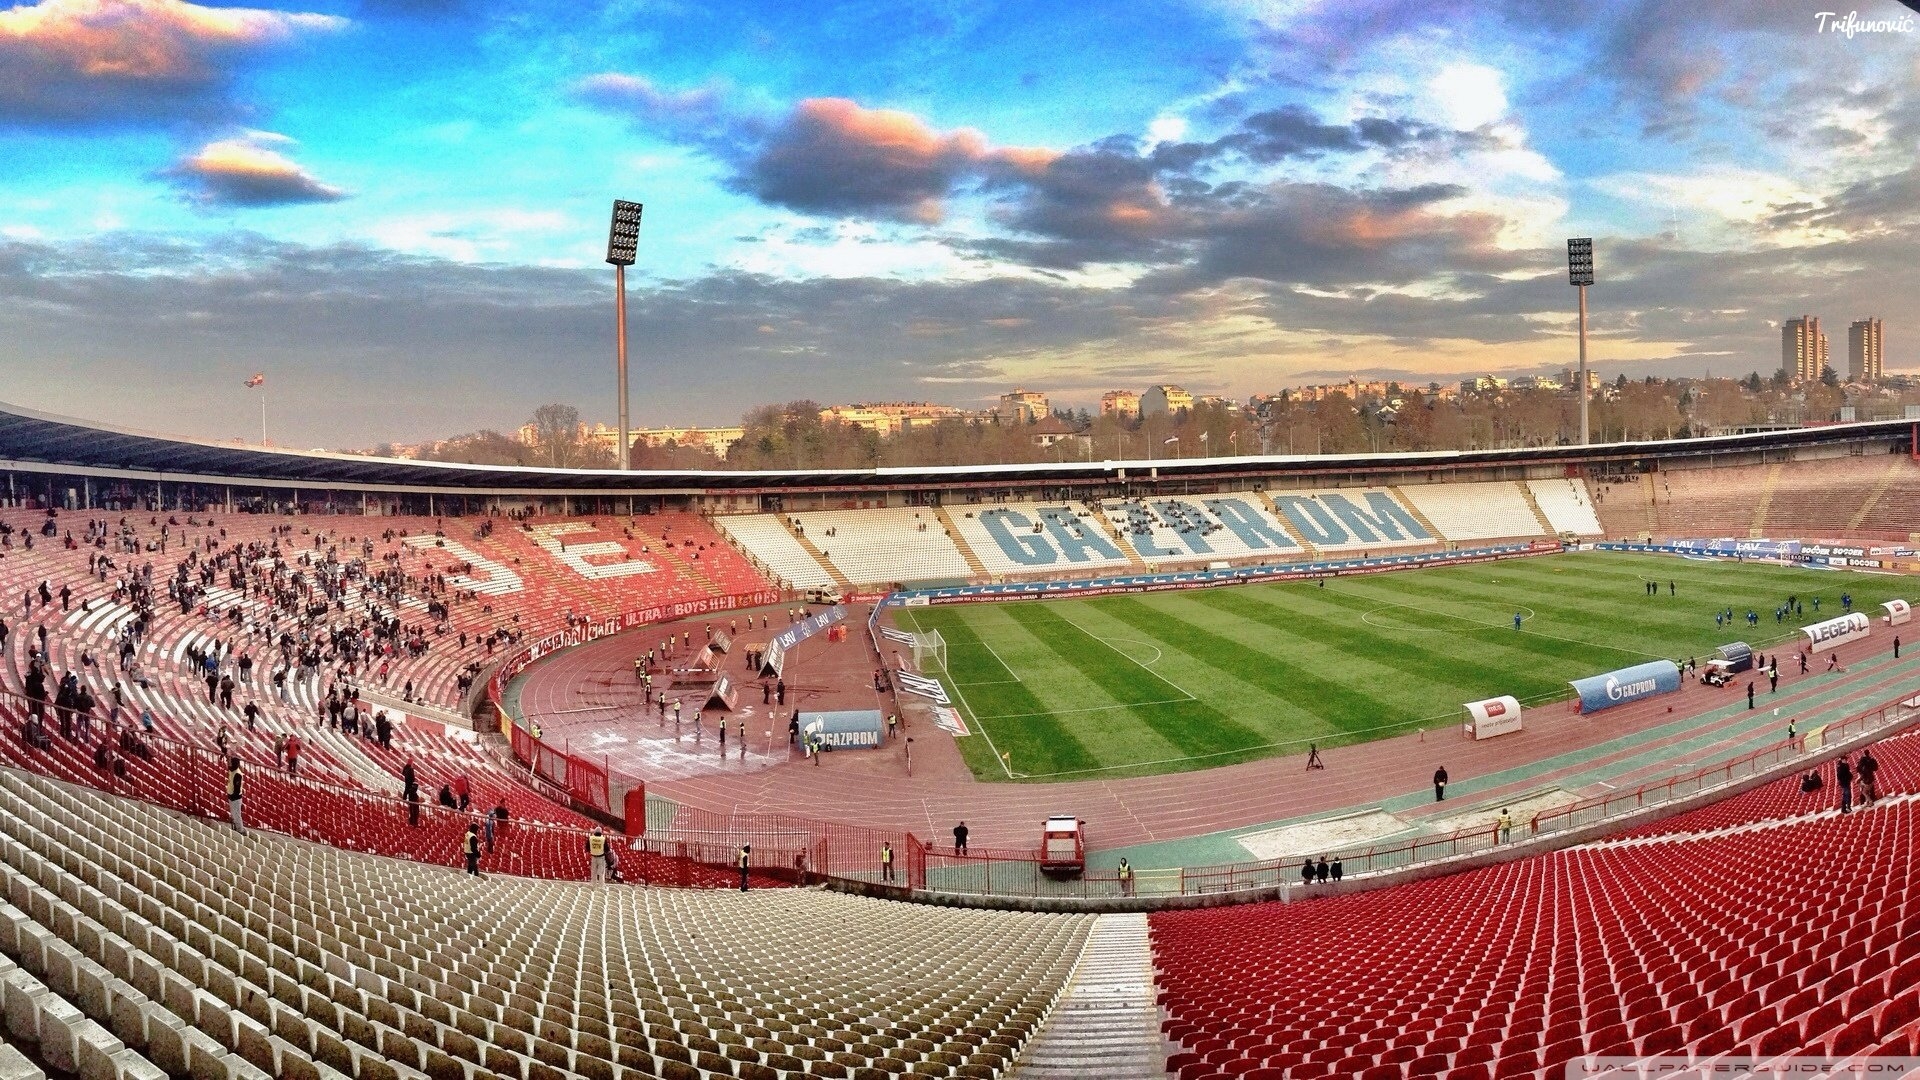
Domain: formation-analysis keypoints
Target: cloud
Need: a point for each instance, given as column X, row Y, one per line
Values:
column 245, row 172
column 833, row 156
column 85, row 62
column 699, row 114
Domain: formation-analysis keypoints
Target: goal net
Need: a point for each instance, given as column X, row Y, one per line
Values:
column 930, row 651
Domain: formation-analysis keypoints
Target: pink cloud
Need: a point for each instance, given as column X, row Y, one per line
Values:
column 837, row 156
column 246, row 172
column 93, row 61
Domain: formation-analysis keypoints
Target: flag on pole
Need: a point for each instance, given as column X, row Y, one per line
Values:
column 257, row 380
column 1203, row 436
column 1171, row 441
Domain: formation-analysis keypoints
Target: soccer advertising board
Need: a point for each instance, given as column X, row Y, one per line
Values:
column 1834, row 633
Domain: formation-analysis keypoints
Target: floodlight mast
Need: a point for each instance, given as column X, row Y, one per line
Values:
column 1580, row 275
column 623, row 242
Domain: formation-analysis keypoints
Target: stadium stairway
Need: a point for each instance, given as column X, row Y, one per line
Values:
column 1414, row 509
column 1767, row 488
column 1107, row 1023
column 978, row 568
column 1266, row 500
column 1893, row 470
column 1134, row 559
column 839, row 579
column 1533, row 504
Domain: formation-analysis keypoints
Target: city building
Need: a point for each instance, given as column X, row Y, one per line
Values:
column 1803, row 349
column 1121, row 403
column 1023, row 406
column 1165, row 399
column 1864, row 351
column 717, row 440
column 891, row 418
column 1050, row 429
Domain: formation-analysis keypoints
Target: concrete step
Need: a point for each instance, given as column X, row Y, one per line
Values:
column 1106, row 1023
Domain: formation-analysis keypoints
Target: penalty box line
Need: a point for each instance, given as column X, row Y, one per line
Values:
column 1143, row 667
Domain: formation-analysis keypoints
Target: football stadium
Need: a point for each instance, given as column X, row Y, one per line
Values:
column 1519, row 756
column 1204, row 540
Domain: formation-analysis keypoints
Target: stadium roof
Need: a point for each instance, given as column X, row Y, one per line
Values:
column 43, row 442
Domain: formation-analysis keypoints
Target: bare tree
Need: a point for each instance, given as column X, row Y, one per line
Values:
column 556, row 435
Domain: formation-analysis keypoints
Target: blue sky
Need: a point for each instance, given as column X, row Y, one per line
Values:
column 396, row 209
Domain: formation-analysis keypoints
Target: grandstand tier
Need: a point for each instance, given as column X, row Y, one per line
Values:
column 152, row 944
column 1701, row 942
column 1474, row 511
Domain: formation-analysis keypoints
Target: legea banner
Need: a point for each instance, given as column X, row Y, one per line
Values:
column 1834, row 633
column 1628, row 684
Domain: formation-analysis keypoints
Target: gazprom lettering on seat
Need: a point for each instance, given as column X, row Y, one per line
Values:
column 1177, row 529
column 1599, row 692
column 1061, row 537
column 1334, row 519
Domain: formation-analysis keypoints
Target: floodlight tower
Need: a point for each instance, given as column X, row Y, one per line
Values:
column 623, row 241
column 1580, row 275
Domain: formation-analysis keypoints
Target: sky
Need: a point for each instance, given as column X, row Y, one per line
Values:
column 397, row 210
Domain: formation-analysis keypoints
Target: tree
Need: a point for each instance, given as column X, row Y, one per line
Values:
column 556, row 435
column 481, row 448
column 1829, row 377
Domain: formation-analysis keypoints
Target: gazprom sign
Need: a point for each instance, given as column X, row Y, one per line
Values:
column 1628, row 684
column 1834, row 633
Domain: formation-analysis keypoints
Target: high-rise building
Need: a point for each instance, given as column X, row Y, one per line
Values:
column 1120, row 403
column 1803, row 349
column 1022, row 406
column 1165, row 399
column 1864, row 350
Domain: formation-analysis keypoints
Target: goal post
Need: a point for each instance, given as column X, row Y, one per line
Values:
column 930, row 651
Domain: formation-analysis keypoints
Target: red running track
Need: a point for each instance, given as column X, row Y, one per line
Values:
column 872, row 788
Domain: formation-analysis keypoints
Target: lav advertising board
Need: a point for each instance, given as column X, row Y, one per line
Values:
column 1834, row 633
column 1635, row 683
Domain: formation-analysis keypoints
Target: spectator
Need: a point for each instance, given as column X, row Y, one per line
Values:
column 470, row 846
column 233, row 794
column 1843, row 779
column 597, row 854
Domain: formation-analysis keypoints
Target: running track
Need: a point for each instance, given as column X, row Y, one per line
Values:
column 872, row 788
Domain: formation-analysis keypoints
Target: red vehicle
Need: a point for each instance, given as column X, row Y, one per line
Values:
column 1063, row 846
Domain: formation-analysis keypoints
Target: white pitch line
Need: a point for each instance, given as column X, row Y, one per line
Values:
column 1131, row 660
column 1003, row 663
column 961, row 697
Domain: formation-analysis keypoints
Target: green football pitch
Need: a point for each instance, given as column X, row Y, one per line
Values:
column 1140, row 683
